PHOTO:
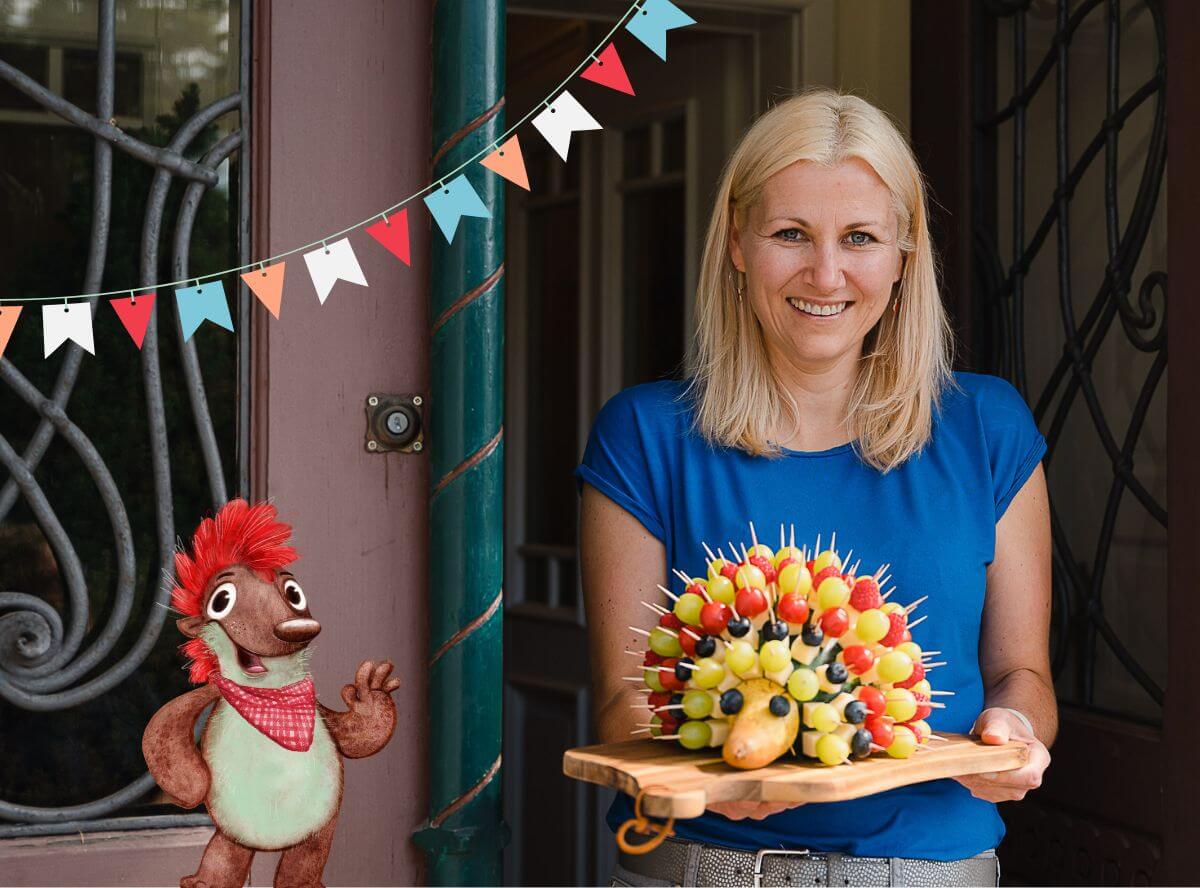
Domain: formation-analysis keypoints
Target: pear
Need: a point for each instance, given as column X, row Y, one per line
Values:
column 759, row 736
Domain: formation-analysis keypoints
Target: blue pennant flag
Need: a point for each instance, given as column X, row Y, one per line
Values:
column 452, row 201
column 204, row 302
column 651, row 23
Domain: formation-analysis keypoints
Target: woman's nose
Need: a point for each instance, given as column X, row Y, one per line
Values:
column 825, row 269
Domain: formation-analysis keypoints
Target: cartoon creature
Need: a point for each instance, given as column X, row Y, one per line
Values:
column 269, row 763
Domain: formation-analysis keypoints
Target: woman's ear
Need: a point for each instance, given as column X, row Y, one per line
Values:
column 735, row 245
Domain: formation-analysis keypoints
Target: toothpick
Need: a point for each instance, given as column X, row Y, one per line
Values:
column 918, row 621
column 929, row 666
column 633, row 678
column 792, row 537
column 817, row 548
column 942, row 693
column 782, row 542
column 657, row 608
column 686, row 665
column 884, row 596
column 933, row 736
column 668, row 737
column 936, row 705
column 732, row 548
column 912, row 607
column 640, row 731
column 642, row 631
column 849, row 555
column 635, row 653
column 833, row 543
column 854, row 570
column 689, row 631
column 671, row 595
column 925, row 654
column 708, row 551
column 883, row 582
column 875, row 747
column 753, row 536
column 879, row 571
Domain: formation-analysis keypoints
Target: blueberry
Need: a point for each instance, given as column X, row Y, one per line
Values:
column 856, row 712
column 738, row 627
column 780, row 705
column 836, row 673
column 777, row 631
column 682, row 672
column 706, row 646
column 732, row 701
column 860, row 743
column 676, row 699
column 812, row 636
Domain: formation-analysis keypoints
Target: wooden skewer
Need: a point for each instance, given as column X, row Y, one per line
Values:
column 918, row 621
column 671, row 595
column 912, row 607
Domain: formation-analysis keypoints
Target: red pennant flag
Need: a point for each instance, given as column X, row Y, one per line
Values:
column 393, row 234
column 608, row 71
column 507, row 161
column 8, row 320
column 267, row 285
column 134, row 312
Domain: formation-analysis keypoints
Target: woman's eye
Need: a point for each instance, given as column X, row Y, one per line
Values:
column 222, row 601
column 862, row 243
column 294, row 595
column 787, row 234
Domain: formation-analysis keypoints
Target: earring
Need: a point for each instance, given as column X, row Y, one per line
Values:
column 740, row 287
column 896, row 304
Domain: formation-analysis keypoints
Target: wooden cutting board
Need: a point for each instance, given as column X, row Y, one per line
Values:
column 680, row 783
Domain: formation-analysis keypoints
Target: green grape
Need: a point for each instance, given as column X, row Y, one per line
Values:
column 803, row 684
column 687, row 608
column 825, row 718
column 722, row 590
column 774, row 655
column 664, row 643
column 894, row 666
column 708, row 673
column 652, row 681
column 695, row 734
column 741, row 657
column 697, row 704
column 832, row 749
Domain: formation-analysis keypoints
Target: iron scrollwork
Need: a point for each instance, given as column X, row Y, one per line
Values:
column 43, row 661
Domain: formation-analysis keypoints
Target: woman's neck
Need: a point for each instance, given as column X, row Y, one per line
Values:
column 822, row 393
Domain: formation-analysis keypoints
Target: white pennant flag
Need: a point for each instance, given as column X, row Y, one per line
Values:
column 332, row 263
column 62, row 322
column 564, row 116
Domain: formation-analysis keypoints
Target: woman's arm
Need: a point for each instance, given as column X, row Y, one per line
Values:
column 1014, row 650
column 621, row 564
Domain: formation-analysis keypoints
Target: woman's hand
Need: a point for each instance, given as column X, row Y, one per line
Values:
column 753, row 810
column 997, row 726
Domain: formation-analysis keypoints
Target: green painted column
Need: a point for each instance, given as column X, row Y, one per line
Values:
column 465, row 832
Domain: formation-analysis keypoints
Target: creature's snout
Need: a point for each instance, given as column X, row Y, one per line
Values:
column 298, row 629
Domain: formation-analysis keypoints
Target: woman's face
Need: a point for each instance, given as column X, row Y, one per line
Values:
column 820, row 255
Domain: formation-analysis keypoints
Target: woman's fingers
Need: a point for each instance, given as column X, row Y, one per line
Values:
column 752, row 810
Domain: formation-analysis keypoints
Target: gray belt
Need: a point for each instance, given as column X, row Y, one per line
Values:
column 678, row 862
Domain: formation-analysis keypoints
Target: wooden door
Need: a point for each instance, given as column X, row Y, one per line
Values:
column 1060, row 256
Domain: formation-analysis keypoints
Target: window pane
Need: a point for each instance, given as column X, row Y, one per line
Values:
column 173, row 59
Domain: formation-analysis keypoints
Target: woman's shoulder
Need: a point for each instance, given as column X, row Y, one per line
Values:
column 992, row 400
column 658, row 404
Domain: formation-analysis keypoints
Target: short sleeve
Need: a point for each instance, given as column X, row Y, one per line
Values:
column 1015, row 444
column 620, row 462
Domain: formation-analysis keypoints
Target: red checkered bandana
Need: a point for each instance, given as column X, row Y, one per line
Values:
column 284, row 714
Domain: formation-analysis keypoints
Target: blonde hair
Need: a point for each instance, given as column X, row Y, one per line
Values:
column 906, row 357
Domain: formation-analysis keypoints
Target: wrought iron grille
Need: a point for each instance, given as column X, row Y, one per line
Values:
column 1118, row 320
column 52, row 661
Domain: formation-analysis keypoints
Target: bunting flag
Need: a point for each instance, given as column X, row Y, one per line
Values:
column 393, row 234
column 563, row 116
column 508, row 163
column 452, row 201
column 448, row 201
column 332, row 263
column 607, row 70
column 651, row 23
column 8, row 320
column 67, row 322
column 204, row 302
column 266, row 284
column 134, row 312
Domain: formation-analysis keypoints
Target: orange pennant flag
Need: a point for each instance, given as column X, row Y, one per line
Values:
column 8, row 320
column 507, row 161
column 267, row 285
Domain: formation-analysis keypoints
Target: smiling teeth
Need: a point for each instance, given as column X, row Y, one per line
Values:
column 813, row 308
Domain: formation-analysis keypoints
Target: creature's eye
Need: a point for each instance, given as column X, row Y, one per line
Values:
column 295, row 595
column 222, row 601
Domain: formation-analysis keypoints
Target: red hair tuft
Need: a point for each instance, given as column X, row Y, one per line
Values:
column 238, row 534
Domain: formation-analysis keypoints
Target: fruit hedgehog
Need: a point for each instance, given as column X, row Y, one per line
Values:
column 269, row 762
column 775, row 647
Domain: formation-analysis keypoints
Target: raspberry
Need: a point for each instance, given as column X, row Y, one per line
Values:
column 764, row 564
column 918, row 674
column 825, row 574
column 651, row 659
column 670, row 621
column 865, row 595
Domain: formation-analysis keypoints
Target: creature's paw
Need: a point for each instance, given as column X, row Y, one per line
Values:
column 192, row 882
column 372, row 688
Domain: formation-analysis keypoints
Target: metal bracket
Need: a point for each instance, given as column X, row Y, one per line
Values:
column 395, row 423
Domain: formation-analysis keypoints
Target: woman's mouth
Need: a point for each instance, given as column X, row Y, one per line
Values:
column 818, row 309
column 251, row 663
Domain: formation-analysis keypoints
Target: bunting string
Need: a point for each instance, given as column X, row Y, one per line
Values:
column 331, row 259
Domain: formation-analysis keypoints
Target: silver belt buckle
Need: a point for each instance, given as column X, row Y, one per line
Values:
column 758, row 861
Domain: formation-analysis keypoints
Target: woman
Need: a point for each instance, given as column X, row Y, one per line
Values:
column 819, row 393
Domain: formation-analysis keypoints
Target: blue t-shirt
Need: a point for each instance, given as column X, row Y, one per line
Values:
column 934, row 518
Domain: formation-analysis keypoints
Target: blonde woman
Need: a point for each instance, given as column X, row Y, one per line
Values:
column 819, row 393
